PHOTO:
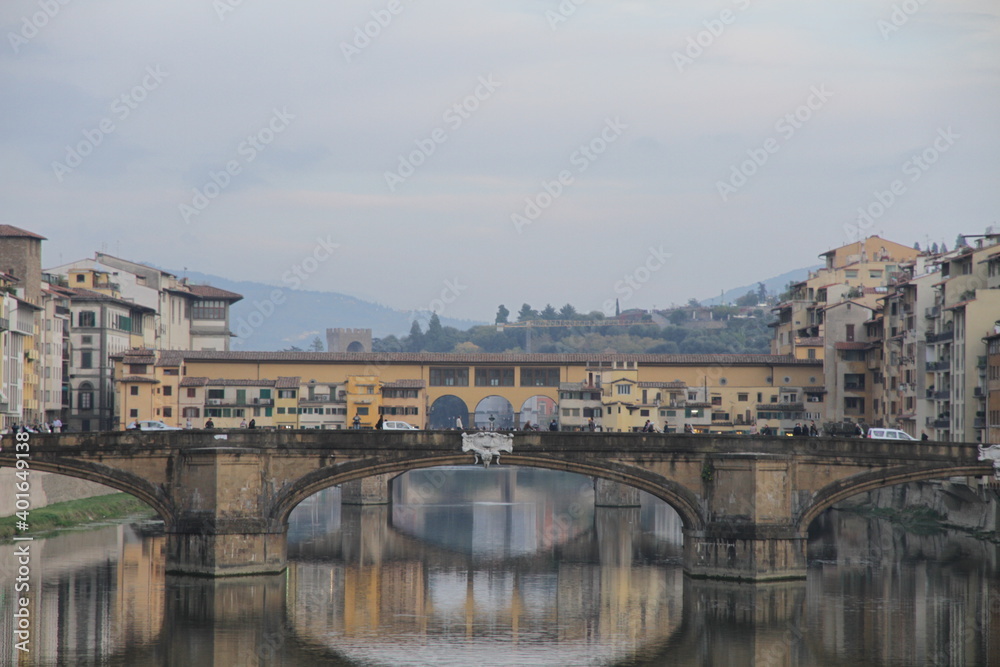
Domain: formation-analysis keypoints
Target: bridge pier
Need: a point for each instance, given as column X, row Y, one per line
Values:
column 220, row 527
column 749, row 535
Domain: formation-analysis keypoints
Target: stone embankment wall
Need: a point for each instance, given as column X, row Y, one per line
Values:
column 45, row 489
column 972, row 507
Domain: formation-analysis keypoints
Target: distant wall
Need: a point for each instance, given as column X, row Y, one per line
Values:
column 46, row 489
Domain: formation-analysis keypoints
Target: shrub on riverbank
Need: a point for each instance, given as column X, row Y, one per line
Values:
column 75, row 513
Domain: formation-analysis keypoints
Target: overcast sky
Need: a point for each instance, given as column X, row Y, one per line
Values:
column 497, row 151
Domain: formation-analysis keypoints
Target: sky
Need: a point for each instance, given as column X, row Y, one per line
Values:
column 459, row 155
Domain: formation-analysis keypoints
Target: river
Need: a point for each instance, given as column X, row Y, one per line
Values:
column 504, row 566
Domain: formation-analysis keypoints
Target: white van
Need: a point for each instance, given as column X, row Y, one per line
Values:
column 889, row 434
column 398, row 426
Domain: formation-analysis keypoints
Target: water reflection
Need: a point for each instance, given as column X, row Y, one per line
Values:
column 501, row 568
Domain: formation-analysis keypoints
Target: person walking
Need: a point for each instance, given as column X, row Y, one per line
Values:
column 813, row 431
column 252, row 424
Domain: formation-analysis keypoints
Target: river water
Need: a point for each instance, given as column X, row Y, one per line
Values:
column 504, row 566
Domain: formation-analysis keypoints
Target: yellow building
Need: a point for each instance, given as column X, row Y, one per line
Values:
column 718, row 393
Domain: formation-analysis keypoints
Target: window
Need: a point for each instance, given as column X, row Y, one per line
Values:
column 811, row 353
column 716, row 400
column 694, row 412
column 217, row 393
column 191, row 392
column 290, row 393
column 875, row 273
column 86, row 359
column 494, row 377
column 137, row 369
column 539, row 377
column 743, row 397
column 86, row 318
column 208, row 309
column 849, row 333
column 133, row 390
column 449, row 377
column 168, row 412
column 361, row 411
column 190, row 413
column 281, row 411
column 86, row 340
column 623, row 389
column 851, row 273
column 133, row 413
column 170, row 371
column 168, row 391
column 85, row 398
column 643, row 413
column 265, row 393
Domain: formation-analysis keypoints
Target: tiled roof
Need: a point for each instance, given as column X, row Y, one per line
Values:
column 404, row 384
column 287, row 382
column 220, row 382
column 9, row 231
column 375, row 358
column 209, row 292
column 139, row 378
column 852, row 346
column 812, row 341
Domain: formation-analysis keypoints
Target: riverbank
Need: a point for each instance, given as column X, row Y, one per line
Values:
column 920, row 520
column 76, row 513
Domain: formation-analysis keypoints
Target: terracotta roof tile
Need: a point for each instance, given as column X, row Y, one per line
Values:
column 209, row 292
column 10, row 231
column 140, row 378
column 404, row 384
column 375, row 358
column 288, row 382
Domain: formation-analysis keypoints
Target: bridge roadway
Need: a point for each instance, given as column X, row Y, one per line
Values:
column 745, row 502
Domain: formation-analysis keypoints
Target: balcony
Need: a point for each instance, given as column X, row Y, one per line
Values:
column 979, row 422
column 934, row 366
column 941, row 423
column 943, row 395
column 981, row 363
column 4, row 324
column 261, row 401
column 854, row 386
column 979, row 392
column 943, row 337
column 932, row 312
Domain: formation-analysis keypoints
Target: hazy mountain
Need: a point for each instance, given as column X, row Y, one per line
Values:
column 264, row 321
column 775, row 285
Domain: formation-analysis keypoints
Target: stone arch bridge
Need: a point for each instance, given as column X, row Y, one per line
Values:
column 746, row 502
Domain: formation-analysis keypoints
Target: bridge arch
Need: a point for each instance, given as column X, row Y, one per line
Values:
column 497, row 408
column 111, row 477
column 872, row 481
column 682, row 500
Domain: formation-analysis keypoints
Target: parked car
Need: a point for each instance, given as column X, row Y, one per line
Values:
column 889, row 434
column 398, row 426
column 153, row 425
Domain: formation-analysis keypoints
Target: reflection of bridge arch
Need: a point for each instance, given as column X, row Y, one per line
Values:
column 445, row 413
column 497, row 407
column 538, row 409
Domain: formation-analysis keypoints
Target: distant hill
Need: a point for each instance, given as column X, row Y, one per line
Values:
column 305, row 314
column 775, row 285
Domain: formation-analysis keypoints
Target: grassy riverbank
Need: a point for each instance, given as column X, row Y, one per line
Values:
column 75, row 513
